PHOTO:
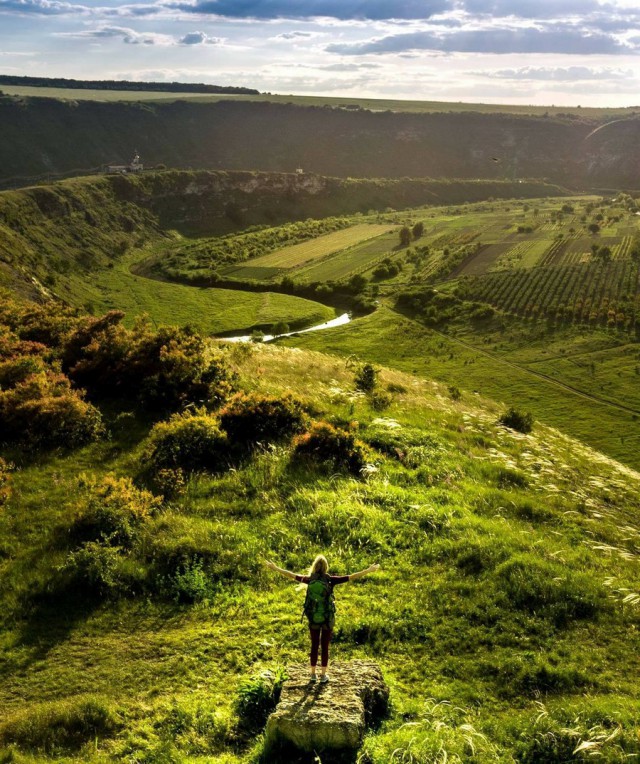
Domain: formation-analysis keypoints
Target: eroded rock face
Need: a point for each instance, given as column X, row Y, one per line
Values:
column 318, row 717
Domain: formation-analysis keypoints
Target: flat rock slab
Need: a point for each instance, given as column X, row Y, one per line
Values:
column 335, row 715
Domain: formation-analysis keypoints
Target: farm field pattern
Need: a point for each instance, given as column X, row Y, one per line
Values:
column 303, row 257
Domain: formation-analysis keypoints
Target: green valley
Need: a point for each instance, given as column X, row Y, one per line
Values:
column 473, row 429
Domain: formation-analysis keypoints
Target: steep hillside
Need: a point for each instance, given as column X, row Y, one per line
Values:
column 42, row 135
column 85, row 224
column 505, row 617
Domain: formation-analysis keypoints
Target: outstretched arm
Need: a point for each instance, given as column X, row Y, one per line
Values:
column 366, row 571
column 282, row 571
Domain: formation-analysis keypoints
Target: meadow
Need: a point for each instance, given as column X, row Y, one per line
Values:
column 595, row 401
column 504, row 617
column 208, row 310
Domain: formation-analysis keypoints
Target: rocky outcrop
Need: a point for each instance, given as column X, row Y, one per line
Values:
column 333, row 716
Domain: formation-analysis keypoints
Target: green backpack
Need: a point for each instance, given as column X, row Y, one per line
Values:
column 319, row 604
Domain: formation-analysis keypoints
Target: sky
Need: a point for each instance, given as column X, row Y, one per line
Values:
column 547, row 52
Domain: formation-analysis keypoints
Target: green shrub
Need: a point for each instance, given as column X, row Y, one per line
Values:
column 256, row 699
column 113, row 511
column 191, row 442
column 189, row 583
column 15, row 370
column 517, row 420
column 330, row 447
column 380, row 401
column 366, row 377
column 96, row 568
column 59, row 725
column 253, row 419
column 42, row 411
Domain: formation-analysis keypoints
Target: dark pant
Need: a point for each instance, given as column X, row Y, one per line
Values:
column 320, row 634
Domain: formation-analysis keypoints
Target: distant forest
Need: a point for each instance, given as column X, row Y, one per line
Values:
column 164, row 87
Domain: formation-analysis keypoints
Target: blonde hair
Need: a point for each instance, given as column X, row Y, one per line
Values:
column 320, row 566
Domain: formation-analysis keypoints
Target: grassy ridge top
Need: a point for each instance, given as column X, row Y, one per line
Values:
column 336, row 102
column 502, row 616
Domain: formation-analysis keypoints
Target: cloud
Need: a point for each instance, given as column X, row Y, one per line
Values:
column 128, row 36
column 533, row 9
column 560, row 73
column 370, row 10
column 295, row 35
column 552, row 39
column 41, row 7
column 199, row 38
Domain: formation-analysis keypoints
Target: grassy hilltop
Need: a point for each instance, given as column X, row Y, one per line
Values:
column 505, row 618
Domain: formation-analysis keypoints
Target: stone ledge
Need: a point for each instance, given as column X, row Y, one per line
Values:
column 335, row 715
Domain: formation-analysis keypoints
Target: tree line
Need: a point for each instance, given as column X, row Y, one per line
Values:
column 166, row 87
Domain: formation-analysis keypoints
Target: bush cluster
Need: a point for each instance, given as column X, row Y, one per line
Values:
column 252, row 419
column 107, row 525
column 113, row 511
column 330, row 447
column 164, row 370
column 43, row 411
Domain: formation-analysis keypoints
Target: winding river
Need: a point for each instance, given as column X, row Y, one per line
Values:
column 345, row 318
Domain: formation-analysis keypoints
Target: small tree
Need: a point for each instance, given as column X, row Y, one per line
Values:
column 405, row 236
column 593, row 228
column 357, row 283
column 366, row 377
column 418, row 230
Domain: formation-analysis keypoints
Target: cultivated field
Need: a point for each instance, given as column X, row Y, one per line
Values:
column 307, row 252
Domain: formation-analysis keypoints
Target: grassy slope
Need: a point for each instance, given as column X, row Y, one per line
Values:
column 473, row 501
column 211, row 311
column 462, row 360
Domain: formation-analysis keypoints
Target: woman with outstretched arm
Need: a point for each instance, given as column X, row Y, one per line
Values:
column 319, row 606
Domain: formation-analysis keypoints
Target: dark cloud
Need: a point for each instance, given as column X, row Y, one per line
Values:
column 293, row 35
column 560, row 74
column 372, row 10
column 553, row 39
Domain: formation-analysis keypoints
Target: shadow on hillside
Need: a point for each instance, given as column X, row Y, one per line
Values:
column 51, row 618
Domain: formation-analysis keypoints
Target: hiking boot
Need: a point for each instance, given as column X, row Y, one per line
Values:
column 324, row 679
